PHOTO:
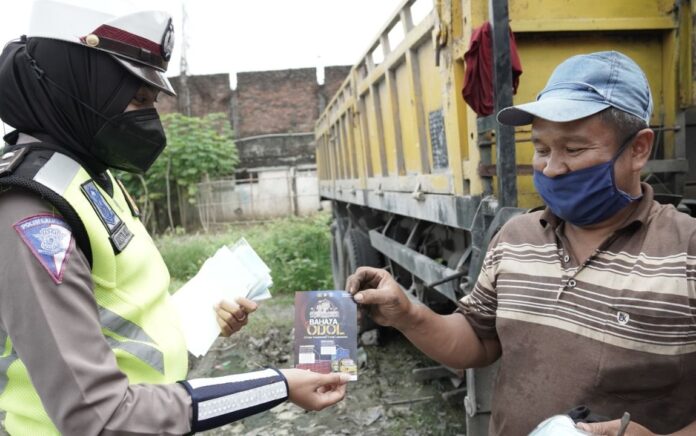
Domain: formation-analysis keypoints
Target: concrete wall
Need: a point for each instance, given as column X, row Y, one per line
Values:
column 269, row 193
column 276, row 150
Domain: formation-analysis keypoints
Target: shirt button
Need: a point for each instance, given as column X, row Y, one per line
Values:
column 571, row 283
column 566, row 258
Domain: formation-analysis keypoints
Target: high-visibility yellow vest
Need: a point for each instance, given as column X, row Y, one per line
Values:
column 131, row 290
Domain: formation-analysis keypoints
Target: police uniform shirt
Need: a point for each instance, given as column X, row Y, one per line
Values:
column 57, row 335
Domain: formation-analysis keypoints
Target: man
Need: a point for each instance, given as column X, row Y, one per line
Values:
column 591, row 301
column 89, row 341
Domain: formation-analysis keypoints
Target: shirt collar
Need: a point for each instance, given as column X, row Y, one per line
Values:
column 639, row 215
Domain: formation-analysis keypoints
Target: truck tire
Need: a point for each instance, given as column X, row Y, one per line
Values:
column 338, row 268
column 359, row 252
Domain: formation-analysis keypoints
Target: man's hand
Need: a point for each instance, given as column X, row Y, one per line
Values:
column 376, row 288
column 231, row 317
column 611, row 428
column 314, row 391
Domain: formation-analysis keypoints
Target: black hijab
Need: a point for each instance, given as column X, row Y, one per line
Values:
column 49, row 107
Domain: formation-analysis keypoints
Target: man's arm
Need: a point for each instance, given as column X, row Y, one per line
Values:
column 611, row 428
column 448, row 339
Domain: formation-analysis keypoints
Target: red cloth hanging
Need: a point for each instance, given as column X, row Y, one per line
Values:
column 478, row 79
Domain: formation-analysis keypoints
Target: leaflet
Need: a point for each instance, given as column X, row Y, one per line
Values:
column 326, row 328
column 235, row 271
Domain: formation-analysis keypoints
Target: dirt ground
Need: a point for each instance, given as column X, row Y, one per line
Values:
column 386, row 400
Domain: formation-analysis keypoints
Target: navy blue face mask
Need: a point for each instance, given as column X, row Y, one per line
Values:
column 587, row 196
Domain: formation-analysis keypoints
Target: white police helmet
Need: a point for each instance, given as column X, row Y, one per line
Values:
column 141, row 41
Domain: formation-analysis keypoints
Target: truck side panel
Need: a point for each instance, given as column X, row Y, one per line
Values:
column 411, row 170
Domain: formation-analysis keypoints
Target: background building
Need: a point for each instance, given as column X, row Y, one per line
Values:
column 272, row 114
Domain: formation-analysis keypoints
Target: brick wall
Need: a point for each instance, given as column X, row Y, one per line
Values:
column 207, row 94
column 333, row 78
column 283, row 101
column 265, row 102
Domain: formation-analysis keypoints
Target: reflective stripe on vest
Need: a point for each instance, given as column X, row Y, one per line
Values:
column 57, row 173
column 144, row 349
column 146, row 353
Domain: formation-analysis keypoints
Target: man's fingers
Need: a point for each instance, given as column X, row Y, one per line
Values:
column 375, row 296
column 354, row 281
column 600, row 428
column 363, row 276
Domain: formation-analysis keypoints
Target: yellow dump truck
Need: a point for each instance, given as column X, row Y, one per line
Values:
column 419, row 183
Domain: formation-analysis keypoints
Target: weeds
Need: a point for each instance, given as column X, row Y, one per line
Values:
column 296, row 249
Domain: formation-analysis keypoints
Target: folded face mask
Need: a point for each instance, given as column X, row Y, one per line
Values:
column 559, row 425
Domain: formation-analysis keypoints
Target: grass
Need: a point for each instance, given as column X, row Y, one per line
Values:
column 297, row 250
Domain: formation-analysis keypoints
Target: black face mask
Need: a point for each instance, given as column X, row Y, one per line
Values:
column 130, row 141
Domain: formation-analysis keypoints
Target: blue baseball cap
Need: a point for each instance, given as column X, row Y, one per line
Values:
column 584, row 85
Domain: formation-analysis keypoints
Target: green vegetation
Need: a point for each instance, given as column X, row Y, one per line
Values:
column 296, row 249
column 197, row 148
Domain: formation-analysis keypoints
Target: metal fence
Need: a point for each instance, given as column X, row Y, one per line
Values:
column 266, row 194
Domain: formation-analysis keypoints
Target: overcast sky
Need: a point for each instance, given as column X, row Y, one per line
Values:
column 251, row 35
column 230, row 36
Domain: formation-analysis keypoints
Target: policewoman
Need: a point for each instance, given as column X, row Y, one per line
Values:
column 89, row 343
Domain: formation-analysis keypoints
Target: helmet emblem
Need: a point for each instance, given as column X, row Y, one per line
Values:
column 92, row 40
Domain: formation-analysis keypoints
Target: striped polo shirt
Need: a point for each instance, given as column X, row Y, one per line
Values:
column 617, row 333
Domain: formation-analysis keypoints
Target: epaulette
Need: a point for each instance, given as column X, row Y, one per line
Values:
column 11, row 159
column 17, row 169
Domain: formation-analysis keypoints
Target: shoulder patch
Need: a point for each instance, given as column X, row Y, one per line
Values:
column 48, row 237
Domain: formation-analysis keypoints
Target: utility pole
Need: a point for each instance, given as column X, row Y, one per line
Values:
column 185, row 95
column 502, row 73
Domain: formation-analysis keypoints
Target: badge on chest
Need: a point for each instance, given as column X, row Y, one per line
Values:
column 119, row 234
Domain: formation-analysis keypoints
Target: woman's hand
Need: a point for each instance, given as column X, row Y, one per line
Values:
column 314, row 391
column 231, row 317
